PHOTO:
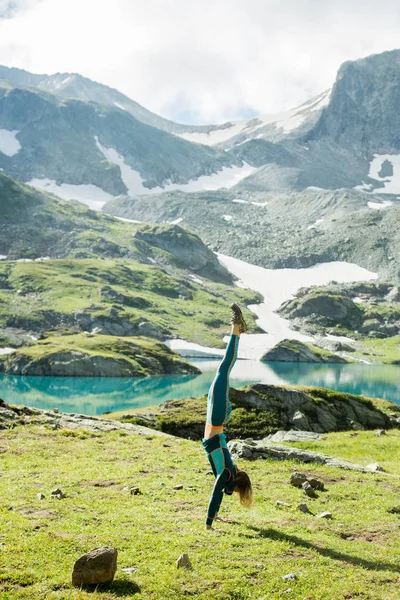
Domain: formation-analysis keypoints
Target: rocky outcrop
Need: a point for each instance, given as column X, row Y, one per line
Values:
column 314, row 409
column 96, row 356
column 10, row 416
column 187, row 248
column 261, row 410
column 327, row 309
column 295, row 351
column 252, row 450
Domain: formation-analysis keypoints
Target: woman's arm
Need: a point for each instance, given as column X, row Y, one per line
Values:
column 216, row 497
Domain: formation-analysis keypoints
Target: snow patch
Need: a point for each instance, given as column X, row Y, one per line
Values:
column 287, row 121
column 119, row 106
column 380, row 205
column 227, row 217
column 227, row 177
column 3, row 257
column 91, row 195
column 278, row 285
column 125, row 220
column 391, row 182
column 4, row 351
column 314, row 225
column 9, row 145
column 177, row 221
column 189, row 349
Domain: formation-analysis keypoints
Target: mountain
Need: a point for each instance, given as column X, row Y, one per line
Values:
column 58, row 144
column 316, row 183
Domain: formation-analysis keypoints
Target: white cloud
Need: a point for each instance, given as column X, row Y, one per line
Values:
column 211, row 60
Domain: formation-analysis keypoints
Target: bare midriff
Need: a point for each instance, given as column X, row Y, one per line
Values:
column 211, row 430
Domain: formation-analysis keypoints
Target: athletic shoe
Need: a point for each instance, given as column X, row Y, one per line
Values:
column 237, row 318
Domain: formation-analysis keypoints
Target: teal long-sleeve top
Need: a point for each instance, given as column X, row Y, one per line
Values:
column 224, row 472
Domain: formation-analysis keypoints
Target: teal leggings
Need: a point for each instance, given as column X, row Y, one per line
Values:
column 219, row 406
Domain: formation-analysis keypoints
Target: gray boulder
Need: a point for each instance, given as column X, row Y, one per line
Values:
column 295, row 351
column 95, row 567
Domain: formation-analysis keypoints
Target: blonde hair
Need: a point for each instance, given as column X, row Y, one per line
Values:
column 242, row 488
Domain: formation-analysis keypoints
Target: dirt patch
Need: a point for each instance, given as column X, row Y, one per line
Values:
column 103, row 484
column 34, row 513
column 374, row 537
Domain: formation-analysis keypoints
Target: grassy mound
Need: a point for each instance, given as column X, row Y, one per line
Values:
column 346, row 557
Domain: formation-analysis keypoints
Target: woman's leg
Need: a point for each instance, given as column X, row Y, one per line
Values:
column 218, row 406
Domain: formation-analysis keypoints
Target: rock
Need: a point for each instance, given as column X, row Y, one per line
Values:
column 294, row 435
column 380, row 432
column 56, row 410
column 95, row 567
column 57, row 493
column 395, row 510
column 375, row 468
column 178, row 487
column 135, row 491
column 297, row 479
column 40, row 496
column 394, row 295
column 324, row 308
column 289, row 577
column 317, row 484
column 183, row 562
column 309, row 490
column 267, row 449
column 149, row 330
column 279, row 503
column 324, row 515
column 304, row 508
column 294, row 351
column 187, row 248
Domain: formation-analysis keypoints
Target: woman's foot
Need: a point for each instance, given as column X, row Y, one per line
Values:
column 237, row 318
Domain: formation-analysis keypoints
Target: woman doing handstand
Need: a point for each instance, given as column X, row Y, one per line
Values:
column 228, row 478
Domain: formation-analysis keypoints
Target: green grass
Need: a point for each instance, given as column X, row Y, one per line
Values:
column 347, row 557
column 68, row 286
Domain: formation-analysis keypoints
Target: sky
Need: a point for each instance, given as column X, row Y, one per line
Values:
column 199, row 61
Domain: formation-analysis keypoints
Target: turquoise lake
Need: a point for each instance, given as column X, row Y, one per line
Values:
column 94, row 396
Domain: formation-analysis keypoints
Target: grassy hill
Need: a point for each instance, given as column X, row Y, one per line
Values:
column 339, row 559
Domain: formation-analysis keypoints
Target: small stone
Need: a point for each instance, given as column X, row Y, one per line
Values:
column 395, row 510
column 94, row 567
column 178, row 487
column 279, row 503
column 304, row 508
column 324, row 515
column 40, row 496
column 289, row 577
column 190, row 488
column 317, row 484
column 380, row 432
column 167, row 445
column 375, row 468
column 309, row 490
column 297, row 479
column 129, row 570
column 353, row 435
column 209, row 473
column 288, row 591
column 183, row 562
column 57, row 493
column 135, row 491
column 126, row 488
column 56, row 410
